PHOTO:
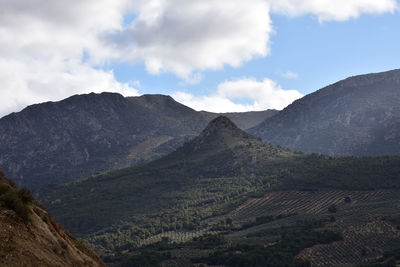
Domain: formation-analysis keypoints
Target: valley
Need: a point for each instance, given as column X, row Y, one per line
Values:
column 217, row 183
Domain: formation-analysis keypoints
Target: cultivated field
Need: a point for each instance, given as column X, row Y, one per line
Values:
column 313, row 202
column 363, row 218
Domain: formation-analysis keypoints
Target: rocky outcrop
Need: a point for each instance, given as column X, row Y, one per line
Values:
column 36, row 240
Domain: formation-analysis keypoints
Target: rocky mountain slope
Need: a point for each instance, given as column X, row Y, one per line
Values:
column 29, row 236
column 357, row 116
column 55, row 142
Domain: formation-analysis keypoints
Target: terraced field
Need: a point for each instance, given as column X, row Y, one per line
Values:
column 361, row 216
column 368, row 221
column 361, row 244
column 176, row 236
column 313, row 202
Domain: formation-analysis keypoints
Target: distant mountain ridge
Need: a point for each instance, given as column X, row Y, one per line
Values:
column 55, row 142
column 357, row 116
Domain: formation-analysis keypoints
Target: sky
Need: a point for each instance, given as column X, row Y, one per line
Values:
column 220, row 56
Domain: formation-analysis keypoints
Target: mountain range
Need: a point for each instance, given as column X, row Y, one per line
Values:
column 56, row 142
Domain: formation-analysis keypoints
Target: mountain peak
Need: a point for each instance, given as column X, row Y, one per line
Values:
column 222, row 127
column 221, row 133
column 220, row 122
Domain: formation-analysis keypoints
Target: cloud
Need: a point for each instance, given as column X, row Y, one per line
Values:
column 332, row 10
column 24, row 84
column 42, row 45
column 290, row 75
column 230, row 96
column 52, row 49
column 181, row 36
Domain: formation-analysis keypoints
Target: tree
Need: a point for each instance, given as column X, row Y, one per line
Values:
column 332, row 208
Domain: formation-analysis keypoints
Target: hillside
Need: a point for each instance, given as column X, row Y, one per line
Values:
column 29, row 236
column 160, row 188
column 206, row 177
column 357, row 116
column 56, row 142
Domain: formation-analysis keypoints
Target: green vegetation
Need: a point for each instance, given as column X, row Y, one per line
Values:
column 281, row 254
column 264, row 219
column 207, row 177
column 217, row 250
column 332, row 209
column 145, row 259
column 14, row 199
column 389, row 259
column 348, row 173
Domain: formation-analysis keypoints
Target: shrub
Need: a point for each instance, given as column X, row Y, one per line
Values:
column 4, row 188
column 25, row 195
column 347, row 199
column 13, row 202
column 16, row 200
column 332, row 209
column 45, row 219
column 63, row 245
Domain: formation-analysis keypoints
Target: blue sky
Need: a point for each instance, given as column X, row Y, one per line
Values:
column 320, row 53
column 226, row 55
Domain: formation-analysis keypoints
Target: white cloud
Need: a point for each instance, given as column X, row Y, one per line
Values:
column 290, row 75
column 43, row 42
column 181, row 36
column 263, row 95
column 38, row 82
column 332, row 10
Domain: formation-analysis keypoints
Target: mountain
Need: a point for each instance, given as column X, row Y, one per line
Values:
column 220, row 152
column 357, row 116
column 244, row 120
column 205, row 178
column 29, row 236
column 56, row 142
